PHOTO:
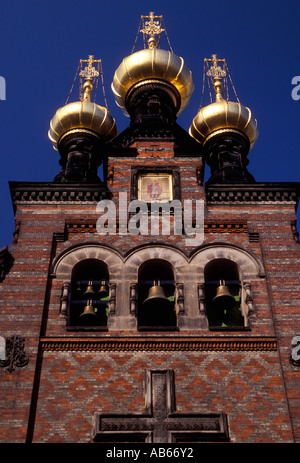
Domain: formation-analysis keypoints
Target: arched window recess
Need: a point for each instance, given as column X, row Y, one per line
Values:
column 156, row 305
column 94, row 295
column 89, row 296
column 225, row 296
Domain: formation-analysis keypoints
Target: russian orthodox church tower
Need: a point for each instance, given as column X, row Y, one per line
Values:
column 148, row 305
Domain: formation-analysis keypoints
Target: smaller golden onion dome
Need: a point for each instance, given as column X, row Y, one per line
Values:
column 152, row 64
column 222, row 115
column 83, row 114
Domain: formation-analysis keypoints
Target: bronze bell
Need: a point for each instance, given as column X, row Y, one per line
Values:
column 157, row 309
column 103, row 290
column 88, row 312
column 89, row 290
column 223, row 299
column 156, row 292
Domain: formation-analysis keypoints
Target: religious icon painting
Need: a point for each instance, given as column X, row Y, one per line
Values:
column 155, row 188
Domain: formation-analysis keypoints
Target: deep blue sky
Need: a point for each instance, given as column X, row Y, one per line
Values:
column 41, row 43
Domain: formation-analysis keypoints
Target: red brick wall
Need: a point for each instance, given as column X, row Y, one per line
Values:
column 247, row 386
column 252, row 387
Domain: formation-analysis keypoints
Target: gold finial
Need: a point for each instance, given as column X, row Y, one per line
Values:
column 89, row 73
column 89, row 77
column 152, row 28
column 216, row 72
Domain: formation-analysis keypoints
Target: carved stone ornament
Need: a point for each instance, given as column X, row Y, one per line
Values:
column 15, row 354
column 160, row 423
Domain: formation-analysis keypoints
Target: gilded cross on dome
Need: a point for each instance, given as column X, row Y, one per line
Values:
column 88, row 73
column 152, row 28
column 215, row 70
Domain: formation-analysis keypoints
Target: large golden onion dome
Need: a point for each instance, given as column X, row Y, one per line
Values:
column 83, row 114
column 153, row 64
column 222, row 115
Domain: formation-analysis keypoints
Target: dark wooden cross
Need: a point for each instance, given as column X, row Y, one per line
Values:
column 160, row 423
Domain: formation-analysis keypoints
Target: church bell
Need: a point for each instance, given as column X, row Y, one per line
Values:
column 103, row 290
column 88, row 312
column 223, row 298
column 156, row 294
column 89, row 290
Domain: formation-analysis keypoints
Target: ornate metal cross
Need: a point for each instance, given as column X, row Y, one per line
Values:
column 90, row 74
column 215, row 70
column 89, row 71
column 151, row 29
column 160, row 423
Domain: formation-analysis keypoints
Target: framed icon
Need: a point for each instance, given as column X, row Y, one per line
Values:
column 155, row 188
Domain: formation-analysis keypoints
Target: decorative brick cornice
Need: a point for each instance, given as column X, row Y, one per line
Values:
column 225, row 228
column 90, row 227
column 33, row 192
column 79, row 227
column 159, row 344
column 253, row 193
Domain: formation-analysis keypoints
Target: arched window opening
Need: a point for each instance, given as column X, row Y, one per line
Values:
column 89, row 295
column 223, row 294
column 156, row 296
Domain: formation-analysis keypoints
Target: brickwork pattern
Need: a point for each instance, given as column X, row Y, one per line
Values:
column 249, row 386
column 246, row 386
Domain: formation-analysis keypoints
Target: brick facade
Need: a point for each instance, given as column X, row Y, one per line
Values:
column 72, row 372
column 72, row 375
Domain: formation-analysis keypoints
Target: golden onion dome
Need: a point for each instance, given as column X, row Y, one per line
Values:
column 222, row 115
column 152, row 64
column 83, row 114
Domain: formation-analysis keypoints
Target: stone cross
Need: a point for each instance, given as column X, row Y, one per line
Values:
column 160, row 423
